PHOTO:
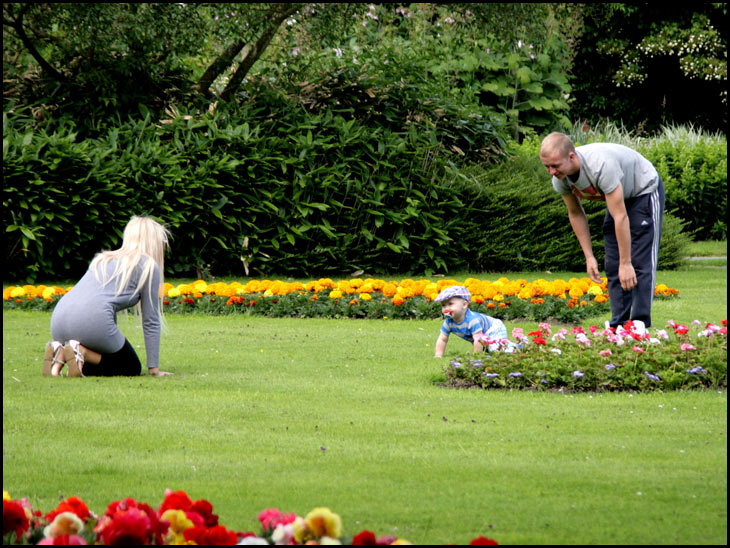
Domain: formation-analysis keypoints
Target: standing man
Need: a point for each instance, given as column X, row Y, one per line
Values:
column 632, row 229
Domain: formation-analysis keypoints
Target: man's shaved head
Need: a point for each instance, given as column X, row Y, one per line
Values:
column 557, row 143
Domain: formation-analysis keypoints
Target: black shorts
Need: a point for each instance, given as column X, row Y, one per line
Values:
column 124, row 363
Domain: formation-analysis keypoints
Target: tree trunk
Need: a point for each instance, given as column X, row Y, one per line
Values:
column 222, row 62
column 276, row 14
column 248, row 61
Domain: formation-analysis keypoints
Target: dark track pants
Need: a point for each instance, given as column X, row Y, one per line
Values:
column 645, row 220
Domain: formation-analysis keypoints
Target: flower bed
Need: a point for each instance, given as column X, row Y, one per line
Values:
column 628, row 358
column 178, row 520
column 567, row 302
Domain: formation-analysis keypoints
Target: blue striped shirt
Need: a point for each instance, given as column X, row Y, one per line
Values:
column 473, row 323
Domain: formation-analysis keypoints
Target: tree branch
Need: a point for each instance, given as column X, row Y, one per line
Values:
column 17, row 25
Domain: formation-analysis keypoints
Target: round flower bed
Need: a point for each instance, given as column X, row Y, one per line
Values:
column 628, row 358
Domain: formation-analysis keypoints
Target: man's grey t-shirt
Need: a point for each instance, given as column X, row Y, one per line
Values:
column 604, row 166
column 88, row 313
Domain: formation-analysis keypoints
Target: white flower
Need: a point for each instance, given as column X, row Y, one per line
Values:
column 253, row 541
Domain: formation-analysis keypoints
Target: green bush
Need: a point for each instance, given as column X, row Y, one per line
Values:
column 515, row 221
column 297, row 193
column 291, row 193
column 695, row 176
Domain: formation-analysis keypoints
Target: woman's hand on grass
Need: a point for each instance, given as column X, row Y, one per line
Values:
column 155, row 372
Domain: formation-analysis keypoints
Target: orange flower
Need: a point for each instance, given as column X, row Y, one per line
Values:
column 398, row 300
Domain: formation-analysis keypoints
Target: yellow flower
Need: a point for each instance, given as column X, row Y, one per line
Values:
column 335, row 294
column 595, row 290
column 48, row 293
column 576, row 292
column 365, row 296
column 390, row 289
column 6, row 495
column 17, row 292
column 200, row 286
column 301, row 530
column 322, row 522
column 174, row 292
column 178, row 523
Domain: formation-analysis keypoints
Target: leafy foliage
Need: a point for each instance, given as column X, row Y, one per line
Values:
column 647, row 66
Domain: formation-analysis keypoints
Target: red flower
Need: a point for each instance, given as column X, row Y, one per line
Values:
column 175, row 500
column 119, row 508
column 71, row 504
column 482, row 541
column 364, row 538
column 217, row 536
column 188, row 300
column 539, row 340
column 205, row 510
column 14, row 518
column 132, row 526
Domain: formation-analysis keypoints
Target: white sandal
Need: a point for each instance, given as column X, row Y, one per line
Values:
column 54, row 351
column 74, row 358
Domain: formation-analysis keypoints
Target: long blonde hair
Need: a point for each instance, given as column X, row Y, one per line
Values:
column 143, row 238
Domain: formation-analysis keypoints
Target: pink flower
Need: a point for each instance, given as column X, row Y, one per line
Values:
column 271, row 517
column 686, row 347
column 605, row 353
column 638, row 350
column 63, row 540
column 545, row 327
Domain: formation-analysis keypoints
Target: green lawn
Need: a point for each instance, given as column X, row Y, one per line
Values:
column 296, row 414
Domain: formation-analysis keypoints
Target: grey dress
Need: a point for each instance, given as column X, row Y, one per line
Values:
column 88, row 313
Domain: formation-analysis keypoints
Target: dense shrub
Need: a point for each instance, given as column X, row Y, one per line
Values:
column 299, row 193
column 291, row 193
column 695, row 176
column 516, row 221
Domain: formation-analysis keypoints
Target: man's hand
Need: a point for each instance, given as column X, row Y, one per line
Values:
column 155, row 372
column 592, row 270
column 627, row 276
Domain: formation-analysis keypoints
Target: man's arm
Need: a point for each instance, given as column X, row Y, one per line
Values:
column 579, row 222
column 617, row 209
